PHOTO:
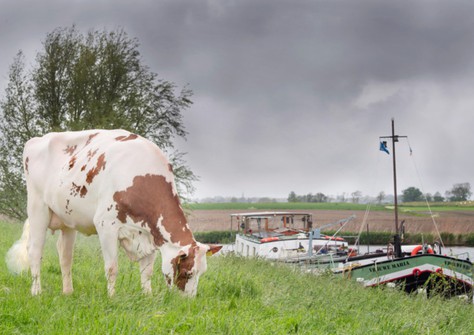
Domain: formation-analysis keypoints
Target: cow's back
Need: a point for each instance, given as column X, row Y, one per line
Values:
column 78, row 173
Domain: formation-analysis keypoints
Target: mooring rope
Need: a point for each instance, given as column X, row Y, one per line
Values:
column 362, row 225
column 424, row 194
column 374, row 181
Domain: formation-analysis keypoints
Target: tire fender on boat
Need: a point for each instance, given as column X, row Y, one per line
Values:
column 418, row 248
column 269, row 239
column 333, row 238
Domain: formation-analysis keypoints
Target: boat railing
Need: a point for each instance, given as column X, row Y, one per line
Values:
column 316, row 233
column 462, row 255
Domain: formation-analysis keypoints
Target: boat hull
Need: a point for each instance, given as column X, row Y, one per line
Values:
column 282, row 248
column 450, row 275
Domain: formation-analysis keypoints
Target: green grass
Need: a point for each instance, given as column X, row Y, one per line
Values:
column 236, row 296
column 406, row 207
column 283, row 206
column 439, row 206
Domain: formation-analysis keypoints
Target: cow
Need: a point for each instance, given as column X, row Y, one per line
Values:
column 117, row 185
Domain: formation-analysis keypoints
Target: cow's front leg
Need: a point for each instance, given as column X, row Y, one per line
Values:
column 109, row 244
column 146, row 271
column 38, row 217
column 65, row 248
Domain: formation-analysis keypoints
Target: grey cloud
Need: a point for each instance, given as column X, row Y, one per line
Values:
column 278, row 84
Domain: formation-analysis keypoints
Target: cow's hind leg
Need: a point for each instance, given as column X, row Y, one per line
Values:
column 39, row 217
column 108, row 238
column 146, row 271
column 65, row 248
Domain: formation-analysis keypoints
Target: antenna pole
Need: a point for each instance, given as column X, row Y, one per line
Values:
column 395, row 139
column 396, row 237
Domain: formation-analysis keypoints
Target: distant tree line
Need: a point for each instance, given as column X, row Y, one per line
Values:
column 242, row 199
column 318, row 197
column 459, row 192
column 355, row 197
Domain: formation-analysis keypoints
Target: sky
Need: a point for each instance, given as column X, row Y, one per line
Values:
column 294, row 95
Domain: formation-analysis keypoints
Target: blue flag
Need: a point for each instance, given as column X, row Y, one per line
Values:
column 383, row 147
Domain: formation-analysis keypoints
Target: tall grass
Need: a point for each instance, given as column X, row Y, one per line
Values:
column 236, row 296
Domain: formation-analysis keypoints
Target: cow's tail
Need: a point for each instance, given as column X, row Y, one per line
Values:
column 17, row 256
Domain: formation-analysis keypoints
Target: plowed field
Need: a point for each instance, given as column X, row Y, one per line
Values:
column 455, row 222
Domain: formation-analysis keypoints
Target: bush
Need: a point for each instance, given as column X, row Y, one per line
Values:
column 469, row 240
column 219, row 237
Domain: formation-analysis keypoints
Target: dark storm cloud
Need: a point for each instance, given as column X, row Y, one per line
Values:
column 292, row 95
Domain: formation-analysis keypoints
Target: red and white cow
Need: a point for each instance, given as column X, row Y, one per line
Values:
column 115, row 184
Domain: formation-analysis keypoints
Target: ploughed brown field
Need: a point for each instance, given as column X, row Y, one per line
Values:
column 455, row 222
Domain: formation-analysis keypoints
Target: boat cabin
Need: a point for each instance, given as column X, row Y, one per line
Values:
column 279, row 235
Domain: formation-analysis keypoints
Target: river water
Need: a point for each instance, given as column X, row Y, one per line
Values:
column 461, row 252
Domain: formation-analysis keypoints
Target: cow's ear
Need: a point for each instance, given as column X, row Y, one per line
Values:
column 213, row 248
column 182, row 254
column 180, row 257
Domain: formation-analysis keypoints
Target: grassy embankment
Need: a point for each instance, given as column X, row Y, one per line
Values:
column 372, row 238
column 236, row 296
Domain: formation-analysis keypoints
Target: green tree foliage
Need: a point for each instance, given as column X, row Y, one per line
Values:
column 318, row 197
column 459, row 192
column 438, row 197
column 292, row 197
column 380, row 197
column 412, row 194
column 356, row 195
column 84, row 81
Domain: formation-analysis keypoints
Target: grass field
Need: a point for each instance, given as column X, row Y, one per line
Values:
column 279, row 206
column 236, row 296
column 411, row 206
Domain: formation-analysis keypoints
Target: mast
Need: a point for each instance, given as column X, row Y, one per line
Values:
column 395, row 199
column 396, row 237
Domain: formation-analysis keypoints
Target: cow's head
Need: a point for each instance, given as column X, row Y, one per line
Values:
column 184, row 267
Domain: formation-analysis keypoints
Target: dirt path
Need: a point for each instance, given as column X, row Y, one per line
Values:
column 452, row 222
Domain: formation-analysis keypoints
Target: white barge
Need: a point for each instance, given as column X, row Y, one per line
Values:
column 282, row 236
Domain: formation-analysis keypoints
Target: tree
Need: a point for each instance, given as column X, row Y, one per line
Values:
column 412, row 194
column 292, row 197
column 380, row 197
column 81, row 81
column 437, row 197
column 459, row 192
column 320, row 197
column 342, row 197
column 356, row 197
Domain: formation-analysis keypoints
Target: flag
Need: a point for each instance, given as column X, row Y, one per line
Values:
column 383, row 147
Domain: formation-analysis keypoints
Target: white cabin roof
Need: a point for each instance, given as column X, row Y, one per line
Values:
column 268, row 214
